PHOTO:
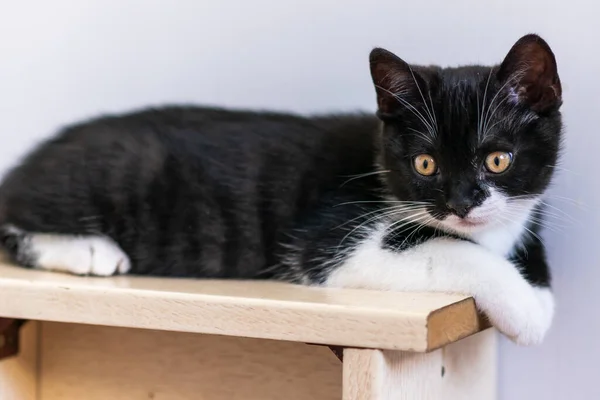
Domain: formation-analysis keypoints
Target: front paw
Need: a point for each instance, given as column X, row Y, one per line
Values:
column 523, row 314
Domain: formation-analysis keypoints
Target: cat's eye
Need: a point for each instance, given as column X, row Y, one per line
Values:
column 425, row 164
column 498, row 161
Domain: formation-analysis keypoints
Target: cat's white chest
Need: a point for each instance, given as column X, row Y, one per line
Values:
column 503, row 239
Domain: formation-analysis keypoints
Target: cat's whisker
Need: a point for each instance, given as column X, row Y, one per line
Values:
column 565, row 199
column 416, row 111
column 479, row 128
column 529, row 231
column 536, row 216
column 429, row 112
column 555, row 227
column 478, row 115
column 564, row 217
column 382, row 212
column 504, row 224
column 367, row 174
column 532, row 233
column 562, row 212
column 510, row 80
column 491, row 111
column 527, row 196
column 412, row 108
column 416, row 217
column 494, row 124
column 402, row 221
column 414, row 224
column 363, row 224
column 552, row 218
column 559, row 168
column 551, row 196
column 419, row 226
column 383, row 201
column 422, row 134
column 437, row 225
column 432, row 107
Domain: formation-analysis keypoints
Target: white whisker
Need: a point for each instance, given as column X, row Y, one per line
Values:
column 486, row 117
column 479, row 128
column 364, row 176
column 382, row 201
column 413, row 109
column 431, row 118
column 382, row 212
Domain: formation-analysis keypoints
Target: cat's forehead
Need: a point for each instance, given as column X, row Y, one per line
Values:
column 471, row 106
column 466, row 85
column 458, row 103
column 473, row 74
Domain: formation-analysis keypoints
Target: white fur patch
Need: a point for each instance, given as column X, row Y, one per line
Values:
column 517, row 309
column 501, row 222
column 508, row 231
column 80, row 255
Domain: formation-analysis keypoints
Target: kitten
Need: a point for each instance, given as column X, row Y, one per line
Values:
column 438, row 192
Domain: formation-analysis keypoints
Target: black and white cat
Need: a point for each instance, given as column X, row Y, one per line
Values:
column 441, row 191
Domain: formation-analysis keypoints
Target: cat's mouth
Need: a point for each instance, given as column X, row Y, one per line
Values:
column 471, row 222
column 466, row 223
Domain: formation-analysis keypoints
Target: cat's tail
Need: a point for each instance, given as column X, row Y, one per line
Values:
column 12, row 240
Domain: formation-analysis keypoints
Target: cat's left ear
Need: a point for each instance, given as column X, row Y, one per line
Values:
column 398, row 87
column 529, row 71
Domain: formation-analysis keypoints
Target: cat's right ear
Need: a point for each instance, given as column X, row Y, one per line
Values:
column 395, row 82
column 530, row 72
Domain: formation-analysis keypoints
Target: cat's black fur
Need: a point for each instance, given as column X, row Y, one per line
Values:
column 194, row 191
column 204, row 192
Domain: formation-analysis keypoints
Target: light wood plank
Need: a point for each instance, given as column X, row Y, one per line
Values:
column 464, row 370
column 19, row 374
column 100, row 363
column 266, row 310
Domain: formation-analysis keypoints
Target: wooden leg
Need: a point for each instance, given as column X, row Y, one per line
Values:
column 19, row 373
column 464, row 370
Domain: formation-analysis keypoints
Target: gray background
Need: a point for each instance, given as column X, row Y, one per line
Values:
column 69, row 59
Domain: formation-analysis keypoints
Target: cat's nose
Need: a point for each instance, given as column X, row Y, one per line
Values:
column 460, row 207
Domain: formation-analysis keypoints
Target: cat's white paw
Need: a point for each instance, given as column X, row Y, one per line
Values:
column 108, row 258
column 518, row 309
column 93, row 255
column 522, row 313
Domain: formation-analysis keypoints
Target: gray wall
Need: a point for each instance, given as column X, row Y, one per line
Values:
column 69, row 59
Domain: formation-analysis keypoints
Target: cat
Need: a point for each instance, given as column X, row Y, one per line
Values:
column 441, row 190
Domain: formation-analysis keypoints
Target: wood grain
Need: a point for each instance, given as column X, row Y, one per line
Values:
column 258, row 309
column 444, row 324
column 465, row 370
column 100, row 363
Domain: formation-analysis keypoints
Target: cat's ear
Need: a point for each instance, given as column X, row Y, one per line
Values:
column 395, row 82
column 529, row 72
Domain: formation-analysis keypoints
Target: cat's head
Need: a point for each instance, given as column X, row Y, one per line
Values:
column 471, row 147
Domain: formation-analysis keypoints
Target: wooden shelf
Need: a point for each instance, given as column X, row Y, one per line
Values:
column 256, row 309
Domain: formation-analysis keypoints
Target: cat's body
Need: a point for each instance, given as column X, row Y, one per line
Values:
column 439, row 193
column 189, row 191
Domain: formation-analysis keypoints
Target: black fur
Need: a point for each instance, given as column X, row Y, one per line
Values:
column 204, row 192
column 530, row 257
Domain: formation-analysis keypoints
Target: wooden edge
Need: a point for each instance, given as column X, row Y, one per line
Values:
column 415, row 322
column 454, row 322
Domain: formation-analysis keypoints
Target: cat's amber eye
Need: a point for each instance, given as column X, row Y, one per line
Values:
column 498, row 161
column 425, row 164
